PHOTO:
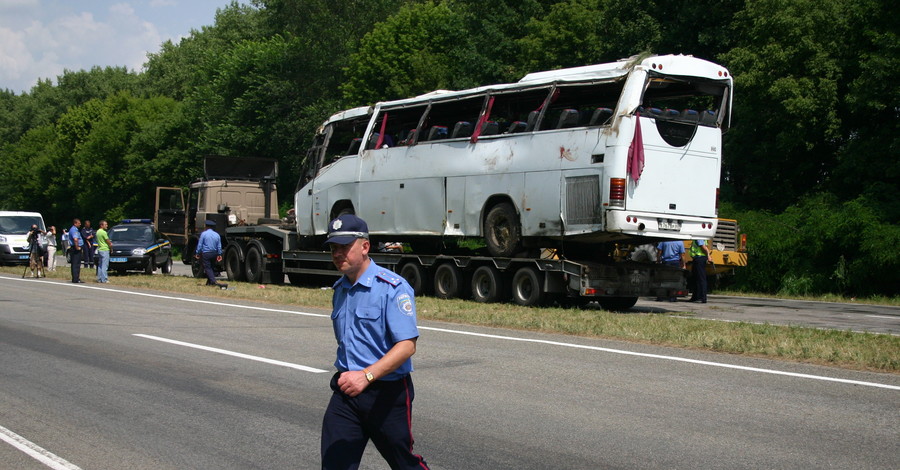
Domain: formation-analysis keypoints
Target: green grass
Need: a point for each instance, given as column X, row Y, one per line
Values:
column 861, row 351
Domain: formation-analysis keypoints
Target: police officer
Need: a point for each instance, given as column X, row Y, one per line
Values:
column 374, row 320
column 209, row 248
column 700, row 255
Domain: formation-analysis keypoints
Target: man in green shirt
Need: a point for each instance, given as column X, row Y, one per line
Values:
column 104, row 244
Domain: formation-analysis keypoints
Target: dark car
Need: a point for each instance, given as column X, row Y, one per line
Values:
column 138, row 246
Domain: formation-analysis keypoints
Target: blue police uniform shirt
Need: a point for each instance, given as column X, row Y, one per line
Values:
column 370, row 316
column 671, row 250
column 75, row 236
column 209, row 241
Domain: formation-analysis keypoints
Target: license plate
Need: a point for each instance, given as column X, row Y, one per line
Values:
column 24, row 256
column 118, row 260
column 669, row 225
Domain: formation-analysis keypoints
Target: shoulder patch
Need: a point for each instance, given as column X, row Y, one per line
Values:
column 389, row 277
column 404, row 303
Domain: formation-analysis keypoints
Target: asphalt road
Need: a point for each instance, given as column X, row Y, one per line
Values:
column 81, row 388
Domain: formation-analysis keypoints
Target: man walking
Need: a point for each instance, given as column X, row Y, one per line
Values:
column 76, row 247
column 209, row 248
column 374, row 320
column 104, row 245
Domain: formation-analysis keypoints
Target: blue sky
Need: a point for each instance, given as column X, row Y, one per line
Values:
column 41, row 38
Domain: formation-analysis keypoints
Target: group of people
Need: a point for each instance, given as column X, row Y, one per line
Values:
column 671, row 253
column 41, row 250
column 81, row 244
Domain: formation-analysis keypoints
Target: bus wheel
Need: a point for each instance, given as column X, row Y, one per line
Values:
column 233, row 268
column 502, row 233
column 415, row 275
column 253, row 266
column 487, row 285
column 617, row 303
column 448, row 283
column 528, row 287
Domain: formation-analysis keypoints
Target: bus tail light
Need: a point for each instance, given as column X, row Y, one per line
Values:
column 617, row 192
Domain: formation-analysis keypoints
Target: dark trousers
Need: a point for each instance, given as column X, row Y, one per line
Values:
column 698, row 272
column 382, row 413
column 75, row 259
column 88, row 255
column 206, row 260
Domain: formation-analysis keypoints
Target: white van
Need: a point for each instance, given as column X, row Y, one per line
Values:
column 14, row 227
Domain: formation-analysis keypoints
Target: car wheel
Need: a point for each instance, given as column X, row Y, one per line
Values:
column 167, row 268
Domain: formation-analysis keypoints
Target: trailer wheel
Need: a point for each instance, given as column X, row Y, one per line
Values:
column 448, row 282
column 528, row 287
column 487, row 285
column 617, row 303
column 415, row 275
column 253, row 265
column 502, row 232
column 233, row 267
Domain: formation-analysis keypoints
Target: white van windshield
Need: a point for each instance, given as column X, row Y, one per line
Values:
column 19, row 224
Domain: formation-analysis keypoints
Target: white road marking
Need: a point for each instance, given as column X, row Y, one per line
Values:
column 36, row 452
column 235, row 354
column 512, row 338
column 881, row 316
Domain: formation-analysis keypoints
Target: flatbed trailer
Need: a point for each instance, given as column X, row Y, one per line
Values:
column 268, row 253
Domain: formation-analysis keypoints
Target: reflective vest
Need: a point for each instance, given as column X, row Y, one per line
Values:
column 697, row 248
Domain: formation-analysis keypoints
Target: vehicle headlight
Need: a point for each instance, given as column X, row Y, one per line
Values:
column 138, row 251
column 2, row 239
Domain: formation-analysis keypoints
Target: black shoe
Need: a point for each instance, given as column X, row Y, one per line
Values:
column 77, row 282
column 222, row 285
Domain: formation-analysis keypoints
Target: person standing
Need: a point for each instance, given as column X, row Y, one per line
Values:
column 36, row 251
column 65, row 241
column 669, row 253
column 87, row 233
column 76, row 248
column 374, row 320
column 50, row 237
column 700, row 255
column 104, row 244
column 209, row 248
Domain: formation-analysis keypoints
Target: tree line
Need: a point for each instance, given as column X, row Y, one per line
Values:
column 810, row 164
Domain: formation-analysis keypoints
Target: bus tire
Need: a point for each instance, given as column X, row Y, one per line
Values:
column 253, row 265
column 448, row 282
column 617, row 304
column 415, row 275
column 528, row 287
column 487, row 285
column 233, row 267
column 502, row 232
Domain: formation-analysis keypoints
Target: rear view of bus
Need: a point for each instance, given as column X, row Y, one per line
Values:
column 664, row 164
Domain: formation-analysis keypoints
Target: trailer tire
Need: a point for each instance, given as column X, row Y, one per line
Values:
column 487, row 285
column 617, row 303
column 415, row 275
column 502, row 232
column 233, row 268
column 197, row 268
column 448, row 281
column 253, row 265
column 528, row 287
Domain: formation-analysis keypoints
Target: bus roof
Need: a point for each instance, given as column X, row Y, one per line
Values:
column 671, row 64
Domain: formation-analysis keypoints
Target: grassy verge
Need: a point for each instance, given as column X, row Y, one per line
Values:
column 863, row 351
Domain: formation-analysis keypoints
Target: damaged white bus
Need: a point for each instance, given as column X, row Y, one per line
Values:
column 576, row 162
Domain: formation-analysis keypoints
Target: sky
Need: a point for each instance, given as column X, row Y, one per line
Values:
column 39, row 39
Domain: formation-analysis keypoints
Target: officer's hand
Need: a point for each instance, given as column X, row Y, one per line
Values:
column 353, row 383
column 219, row 258
column 197, row 256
